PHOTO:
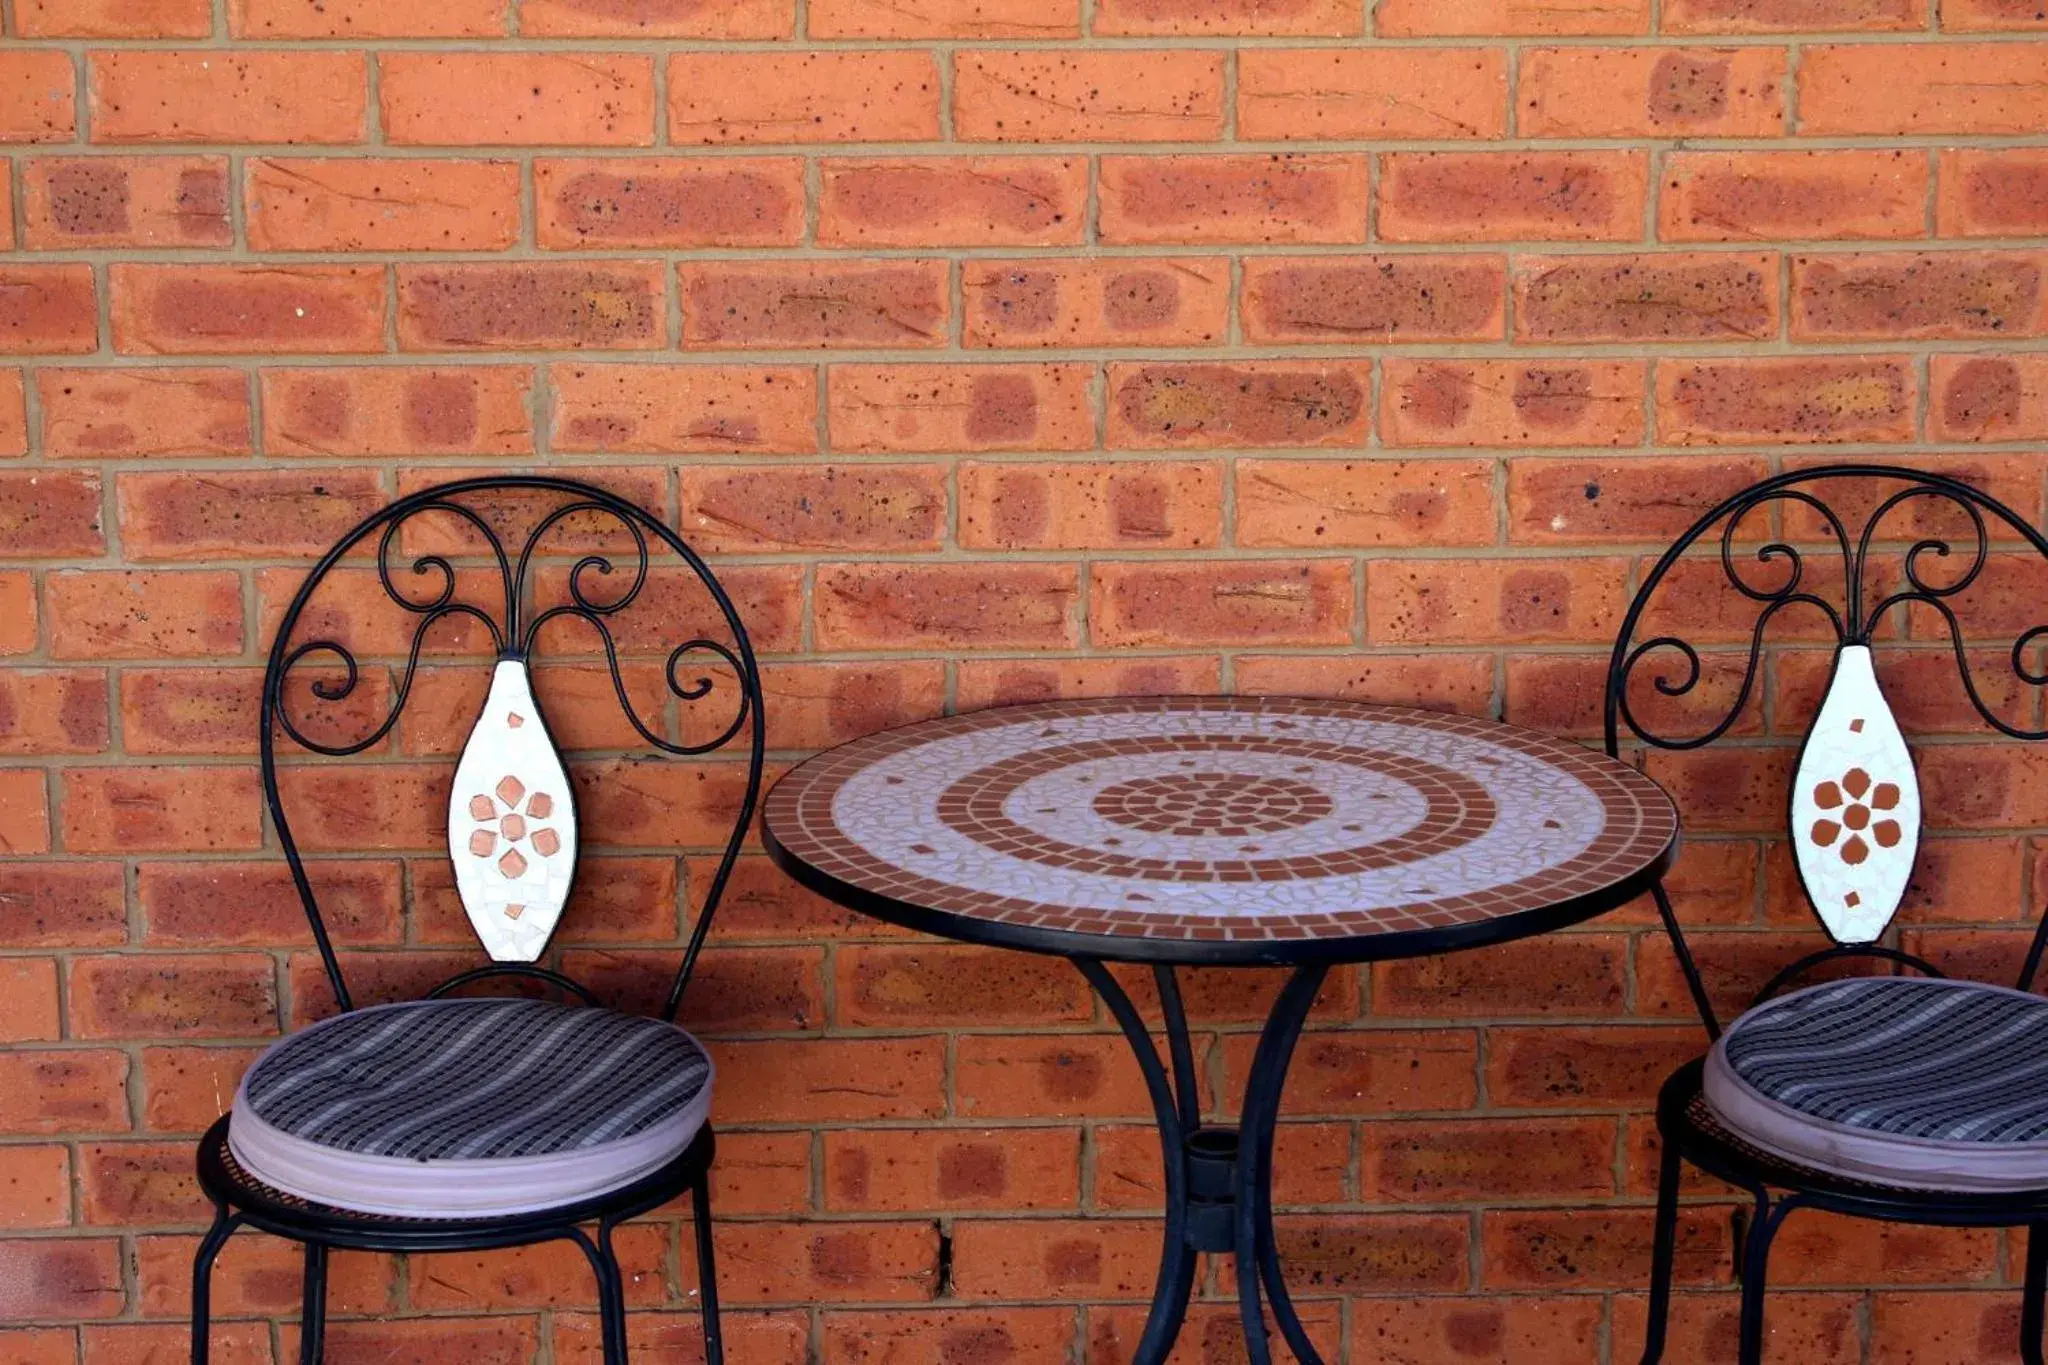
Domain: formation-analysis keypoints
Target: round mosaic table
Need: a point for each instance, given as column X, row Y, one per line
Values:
column 1220, row 831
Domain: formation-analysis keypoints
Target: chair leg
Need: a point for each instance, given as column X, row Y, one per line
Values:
column 707, row 1271
column 611, row 1298
column 224, row 1225
column 1663, row 1254
column 2031, row 1306
column 1756, row 1257
column 313, row 1306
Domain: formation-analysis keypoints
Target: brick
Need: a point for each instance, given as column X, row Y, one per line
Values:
column 47, row 309
column 138, row 1343
column 223, row 515
column 1577, row 501
column 382, row 410
column 899, row 985
column 1311, row 1165
column 153, row 413
column 734, row 19
column 1822, row 1328
column 610, row 305
column 1492, row 601
column 487, row 1341
column 1277, row 198
column 40, row 1345
column 37, row 96
column 389, row 808
column 1438, row 682
column 1993, row 192
column 1082, row 96
column 45, row 514
column 1178, row 301
column 53, row 711
column 114, row 18
column 1879, row 296
column 1248, row 18
column 13, row 415
column 657, row 409
column 1847, row 398
column 1966, row 88
column 17, row 612
column 953, row 201
column 67, row 1090
column 125, row 201
column 1511, row 403
column 1761, row 196
column 946, row 19
column 1591, row 1067
column 771, row 1338
column 1252, row 403
column 1435, row 1162
column 748, row 509
column 802, row 1081
column 1508, row 196
column 1988, row 397
column 377, row 204
column 546, row 1274
column 1987, row 16
column 1154, row 505
column 1652, row 92
column 1377, row 1253
column 221, row 995
column 669, row 202
column 1508, row 18
column 1783, row 16
column 999, row 682
column 813, row 706
column 1363, row 93
column 937, row 1336
column 545, row 99
column 263, row 19
column 778, row 97
column 134, row 808
column 144, row 614
column 945, row 606
column 140, row 1182
column 1349, row 300
column 1091, row 1260
column 1265, row 602
column 24, row 812
column 183, row 903
column 848, row 1262
column 1607, row 1248
column 874, row 408
column 63, row 1278
column 246, row 309
column 1907, row 1327
column 899, row 1170
column 204, row 95
column 1721, row 296
column 814, row 303
column 1529, row 1331
column 1364, row 504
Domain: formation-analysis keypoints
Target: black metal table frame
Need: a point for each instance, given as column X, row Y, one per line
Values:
column 1219, row 1178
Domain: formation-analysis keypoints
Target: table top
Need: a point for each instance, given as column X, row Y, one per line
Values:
column 1221, row 829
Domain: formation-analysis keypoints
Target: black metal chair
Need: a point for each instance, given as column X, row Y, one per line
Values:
column 1907, row 1098
column 464, row 1122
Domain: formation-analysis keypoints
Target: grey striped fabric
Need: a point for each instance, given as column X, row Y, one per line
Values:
column 1906, row 1057
column 471, row 1079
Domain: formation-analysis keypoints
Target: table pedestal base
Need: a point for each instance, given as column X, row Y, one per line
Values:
column 1219, row 1180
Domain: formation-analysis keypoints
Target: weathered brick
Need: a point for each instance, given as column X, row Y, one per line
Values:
column 1508, row 196
column 237, row 514
column 37, row 96
column 945, row 606
column 669, row 202
column 24, row 812
column 17, row 611
column 1720, row 402
column 604, row 305
column 1153, row 505
column 1345, row 93
column 946, row 19
column 125, row 201
column 1511, row 403
column 657, row 409
column 13, row 415
column 366, row 19
column 125, row 414
column 1722, row 296
column 53, row 711
column 69, row 1090
column 193, row 710
column 928, row 1337
column 1264, row 602
column 656, row 19
column 777, row 97
column 753, row 510
column 1350, row 300
column 66, row 1278
column 1790, row 16
column 819, row 1262
column 1177, row 301
column 384, row 410
column 1476, row 18
column 1967, row 88
column 1993, row 192
column 114, row 18
column 1516, row 601
column 45, row 514
column 1364, row 504
column 1749, row 196
column 1987, row 16
column 821, row 303
column 1257, row 403
column 1528, row 1330
column 246, row 309
column 376, row 204
column 1254, row 199
column 136, row 808
column 1651, row 92
column 516, row 98
column 47, row 309
column 1988, row 397
column 1438, row 681
column 953, row 201
column 1941, row 296
column 1435, row 1161
column 1084, row 96
column 206, row 95
column 144, row 614
column 939, row 408
column 1571, row 500
column 1000, row 682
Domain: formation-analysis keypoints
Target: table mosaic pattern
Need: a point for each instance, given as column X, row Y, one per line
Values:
column 1220, row 818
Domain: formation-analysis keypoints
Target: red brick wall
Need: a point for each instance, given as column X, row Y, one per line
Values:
column 1007, row 347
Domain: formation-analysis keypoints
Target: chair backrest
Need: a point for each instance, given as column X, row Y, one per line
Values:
column 500, row 562
column 1853, row 551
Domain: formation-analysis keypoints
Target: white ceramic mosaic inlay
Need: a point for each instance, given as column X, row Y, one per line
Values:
column 1855, row 806
column 511, row 823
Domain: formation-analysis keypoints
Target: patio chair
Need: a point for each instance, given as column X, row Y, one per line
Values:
column 1904, row 1096
column 463, row 1122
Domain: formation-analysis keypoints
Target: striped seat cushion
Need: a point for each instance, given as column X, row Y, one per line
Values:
column 469, row 1108
column 1926, row 1084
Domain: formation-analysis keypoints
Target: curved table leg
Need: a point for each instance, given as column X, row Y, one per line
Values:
column 1258, row 1258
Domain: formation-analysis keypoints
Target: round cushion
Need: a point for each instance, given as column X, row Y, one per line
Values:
column 1921, row 1083
column 469, row 1108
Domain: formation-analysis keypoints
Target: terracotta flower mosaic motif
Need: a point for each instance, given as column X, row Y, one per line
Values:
column 1857, row 802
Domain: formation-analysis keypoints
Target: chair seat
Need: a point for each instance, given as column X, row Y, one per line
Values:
column 469, row 1108
column 1918, row 1083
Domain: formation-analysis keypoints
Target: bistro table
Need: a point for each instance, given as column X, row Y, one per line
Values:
column 1220, row 831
